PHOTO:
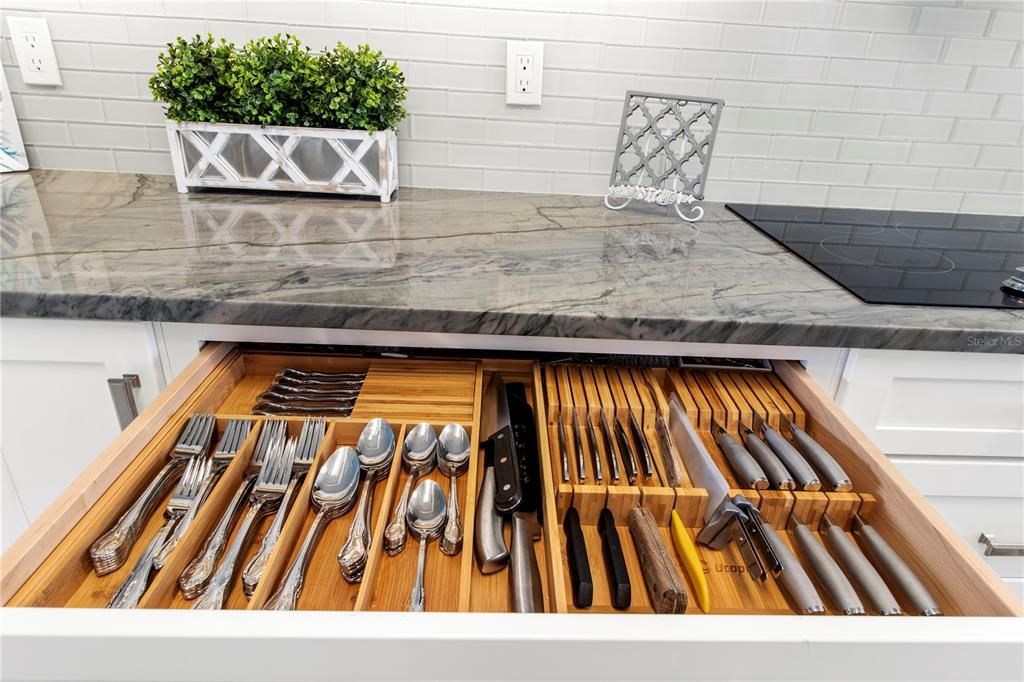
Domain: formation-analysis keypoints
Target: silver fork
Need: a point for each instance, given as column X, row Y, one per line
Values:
column 266, row 495
column 111, row 550
column 197, row 574
column 234, row 435
column 134, row 586
column 312, row 434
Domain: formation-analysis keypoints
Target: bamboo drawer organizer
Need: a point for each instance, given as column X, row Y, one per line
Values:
column 405, row 392
column 49, row 565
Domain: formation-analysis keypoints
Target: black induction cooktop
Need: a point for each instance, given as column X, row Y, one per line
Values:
column 901, row 257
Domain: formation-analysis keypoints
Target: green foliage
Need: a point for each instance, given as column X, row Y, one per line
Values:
column 277, row 81
column 192, row 79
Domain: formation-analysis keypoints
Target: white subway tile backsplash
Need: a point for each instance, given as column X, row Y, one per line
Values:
column 731, row 143
column 978, row 51
column 833, row 173
column 539, row 158
column 491, row 52
column 801, row 13
column 46, row 132
column 518, row 181
column 943, row 154
column 802, row 147
column 917, row 127
column 99, row 28
column 85, row 83
column 773, row 120
column 738, row 11
column 359, row 14
column 161, row 30
column 483, row 155
column 57, row 108
column 961, row 104
column 757, row 38
column 420, row 101
column 133, row 58
column 788, row 68
column 748, row 93
column 404, row 45
column 972, row 179
column 835, row 123
column 832, row 43
column 793, row 193
column 818, row 96
column 628, row 58
column 1010, row 106
column 687, row 34
column 763, row 169
column 888, row 17
column 861, row 197
column 890, row 100
column 905, row 48
column 606, row 29
column 952, row 21
column 732, row 190
column 985, row 131
column 421, row 151
column 716, row 64
column 71, row 55
column 934, row 76
column 291, row 12
column 1013, row 182
column 902, row 176
column 123, row 111
column 925, row 200
column 988, row 79
column 107, row 135
column 1009, row 158
column 875, row 151
column 519, row 132
column 558, row 55
column 591, row 184
column 447, row 177
column 1008, row 24
column 861, row 72
column 1003, row 204
column 70, row 158
column 448, row 128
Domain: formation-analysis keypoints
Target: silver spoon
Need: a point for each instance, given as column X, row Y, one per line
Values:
column 417, row 460
column 425, row 517
column 453, row 448
column 376, row 447
column 334, row 492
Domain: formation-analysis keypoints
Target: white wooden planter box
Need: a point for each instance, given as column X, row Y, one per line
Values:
column 286, row 158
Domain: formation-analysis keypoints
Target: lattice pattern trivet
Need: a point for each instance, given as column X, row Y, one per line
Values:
column 664, row 150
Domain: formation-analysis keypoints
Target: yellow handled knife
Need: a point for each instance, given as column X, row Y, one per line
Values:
column 691, row 561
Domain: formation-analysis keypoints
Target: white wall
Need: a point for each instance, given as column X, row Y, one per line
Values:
column 907, row 104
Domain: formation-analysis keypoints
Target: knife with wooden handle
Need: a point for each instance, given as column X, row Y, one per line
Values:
column 577, row 440
column 595, row 451
column 822, row 460
column 644, row 450
column 772, row 467
column 802, row 472
column 579, row 562
column 664, row 585
column 895, row 569
column 793, row 577
column 626, row 452
column 669, row 457
column 748, row 472
column 563, row 449
column 609, row 446
column 860, row 570
column 614, row 561
column 828, row 573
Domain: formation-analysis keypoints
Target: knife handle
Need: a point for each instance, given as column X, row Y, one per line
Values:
column 793, row 577
column 748, row 473
column 508, row 490
column 772, row 467
column 579, row 563
column 527, row 593
column 614, row 561
column 664, row 586
column 822, row 460
column 488, row 536
column 687, row 552
column 828, row 573
column 895, row 569
column 626, row 451
column 861, row 571
column 802, row 472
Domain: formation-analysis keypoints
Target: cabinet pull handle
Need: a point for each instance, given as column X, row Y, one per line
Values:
column 993, row 548
column 124, row 398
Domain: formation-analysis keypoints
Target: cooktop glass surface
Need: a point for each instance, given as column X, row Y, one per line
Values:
column 901, row 257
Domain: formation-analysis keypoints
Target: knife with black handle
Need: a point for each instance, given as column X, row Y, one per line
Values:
column 802, row 472
column 748, row 472
column 646, row 460
column 822, row 460
column 614, row 561
column 860, row 570
column 626, row 452
column 828, row 573
column 772, row 467
column 527, row 592
column 579, row 562
column 892, row 566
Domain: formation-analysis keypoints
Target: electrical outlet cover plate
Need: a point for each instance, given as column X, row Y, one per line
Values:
column 524, row 69
column 33, row 48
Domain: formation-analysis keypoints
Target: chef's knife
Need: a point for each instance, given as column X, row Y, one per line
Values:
column 609, row 447
column 821, row 459
column 802, row 472
column 577, row 439
column 725, row 519
column 828, row 573
column 489, row 536
column 773, row 468
column 579, row 562
column 646, row 461
column 895, row 569
column 673, row 470
column 748, row 472
column 497, row 424
column 626, row 452
column 592, row 440
column 614, row 561
column 527, row 592
column 860, row 570
column 563, row 449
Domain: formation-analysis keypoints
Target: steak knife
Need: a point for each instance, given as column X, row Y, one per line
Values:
column 822, row 460
column 857, row 566
column 609, row 447
column 895, row 569
column 646, row 461
column 592, row 440
column 828, row 573
column 773, row 468
column 748, row 472
column 577, row 440
column 803, row 474
column 563, row 449
column 626, row 452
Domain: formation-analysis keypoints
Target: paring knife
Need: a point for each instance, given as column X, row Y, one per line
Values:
column 646, row 461
column 860, row 570
column 803, row 474
column 772, row 467
column 725, row 519
column 673, row 470
column 614, row 561
column 609, row 447
column 892, row 566
column 563, row 449
column 579, row 562
column 577, row 439
column 687, row 552
column 626, row 452
column 592, row 441
column 822, row 460
column 828, row 573
column 748, row 472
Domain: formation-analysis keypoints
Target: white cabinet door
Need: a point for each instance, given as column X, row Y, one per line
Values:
column 57, row 411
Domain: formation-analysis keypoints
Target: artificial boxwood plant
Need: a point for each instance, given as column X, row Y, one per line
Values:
column 278, row 81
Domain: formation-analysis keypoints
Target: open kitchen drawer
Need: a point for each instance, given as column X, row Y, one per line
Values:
column 49, row 566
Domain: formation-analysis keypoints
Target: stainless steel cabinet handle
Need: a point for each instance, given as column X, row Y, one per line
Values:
column 993, row 548
column 124, row 398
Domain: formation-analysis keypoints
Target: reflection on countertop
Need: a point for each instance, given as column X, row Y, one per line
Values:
column 121, row 246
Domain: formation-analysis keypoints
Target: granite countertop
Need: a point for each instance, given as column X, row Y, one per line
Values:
column 129, row 247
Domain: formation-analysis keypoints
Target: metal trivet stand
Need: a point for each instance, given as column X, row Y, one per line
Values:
column 664, row 151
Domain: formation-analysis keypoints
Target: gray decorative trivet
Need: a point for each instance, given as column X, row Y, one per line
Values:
column 664, row 150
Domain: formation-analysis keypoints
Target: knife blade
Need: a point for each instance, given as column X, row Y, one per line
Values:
column 563, row 449
column 828, row 573
column 614, row 561
column 895, row 569
column 628, row 460
column 496, row 422
column 860, row 570
column 748, row 472
column 592, row 440
column 577, row 439
column 673, row 472
column 821, row 459
column 579, row 562
column 804, row 476
column 488, row 533
column 646, row 461
column 609, row 447
column 773, row 468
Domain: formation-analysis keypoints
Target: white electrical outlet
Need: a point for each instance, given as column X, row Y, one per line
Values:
column 524, row 69
column 33, row 48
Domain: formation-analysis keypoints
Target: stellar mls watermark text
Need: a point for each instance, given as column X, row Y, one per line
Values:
column 1004, row 340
